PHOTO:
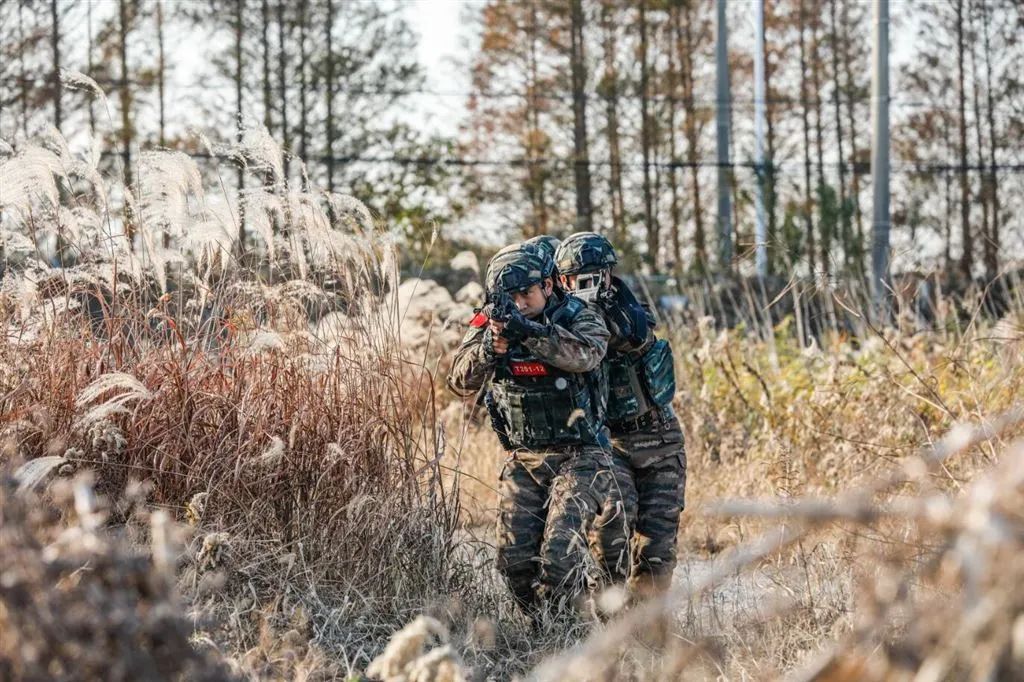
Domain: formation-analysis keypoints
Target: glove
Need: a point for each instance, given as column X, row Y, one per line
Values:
column 625, row 312
column 518, row 328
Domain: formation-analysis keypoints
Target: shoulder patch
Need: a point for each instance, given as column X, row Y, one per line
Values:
column 479, row 320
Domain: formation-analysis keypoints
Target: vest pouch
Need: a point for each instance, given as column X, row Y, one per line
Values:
column 510, row 404
column 583, row 427
column 539, row 416
column 626, row 398
column 659, row 373
column 541, row 424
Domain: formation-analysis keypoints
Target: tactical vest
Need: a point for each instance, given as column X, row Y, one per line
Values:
column 543, row 406
column 639, row 382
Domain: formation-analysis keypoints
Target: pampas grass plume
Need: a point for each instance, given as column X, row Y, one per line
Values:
column 405, row 647
column 130, row 387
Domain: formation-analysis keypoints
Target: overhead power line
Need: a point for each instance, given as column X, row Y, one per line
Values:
column 908, row 168
column 341, row 91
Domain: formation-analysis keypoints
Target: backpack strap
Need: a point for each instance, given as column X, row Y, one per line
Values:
column 567, row 311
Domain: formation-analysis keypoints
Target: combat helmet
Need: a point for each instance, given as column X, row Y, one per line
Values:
column 586, row 255
column 518, row 267
column 584, row 252
column 545, row 242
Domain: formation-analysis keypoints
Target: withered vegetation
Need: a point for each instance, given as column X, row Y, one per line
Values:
column 228, row 459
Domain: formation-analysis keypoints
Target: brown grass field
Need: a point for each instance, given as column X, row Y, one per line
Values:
column 224, row 467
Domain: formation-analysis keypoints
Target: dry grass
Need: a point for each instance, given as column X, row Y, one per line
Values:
column 766, row 419
column 303, row 456
column 262, row 436
column 78, row 603
column 938, row 599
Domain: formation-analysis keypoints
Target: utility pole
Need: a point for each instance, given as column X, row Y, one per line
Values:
column 761, row 230
column 880, row 160
column 722, row 110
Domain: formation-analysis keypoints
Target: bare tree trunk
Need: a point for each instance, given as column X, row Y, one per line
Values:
column 982, row 175
column 673, row 181
column 646, row 140
column 966, row 236
column 303, row 90
column 58, row 118
column 723, row 125
column 611, row 92
column 826, row 237
column 805, row 119
column 581, row 156
column 770, row 194
column 22, row 72
column 161, row 68
column 282, row 76
column 948, row 220
column 851, row 115
column 535, row 171
column 657, row 155
column 686, row 49
column 126, row 97
column 239, row 35
column 89, row 67
column 845, row 229
column 329, row 94
column 268, row 107
column 992, row 240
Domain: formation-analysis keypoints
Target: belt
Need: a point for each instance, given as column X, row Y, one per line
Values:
column 644, row 421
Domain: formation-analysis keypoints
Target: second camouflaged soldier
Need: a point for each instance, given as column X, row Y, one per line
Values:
column 644, row 428
column 537, row 354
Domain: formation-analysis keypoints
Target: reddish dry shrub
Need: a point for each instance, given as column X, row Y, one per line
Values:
column 317, row 457
column 264, row 399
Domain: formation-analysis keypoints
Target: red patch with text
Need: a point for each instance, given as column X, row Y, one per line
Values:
column 528, row 369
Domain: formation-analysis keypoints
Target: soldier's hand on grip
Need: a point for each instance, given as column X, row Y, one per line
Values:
column 622, row 309
column 518, row 327
column 493, row 343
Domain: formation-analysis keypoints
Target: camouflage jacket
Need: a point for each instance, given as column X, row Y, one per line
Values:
column 578, row 348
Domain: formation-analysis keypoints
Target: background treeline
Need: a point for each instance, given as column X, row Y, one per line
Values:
column 617, row 131
column 330, row 79
column 581, row 114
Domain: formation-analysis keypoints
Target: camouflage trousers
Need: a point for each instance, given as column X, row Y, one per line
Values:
column 549, row 548
column 655, row 458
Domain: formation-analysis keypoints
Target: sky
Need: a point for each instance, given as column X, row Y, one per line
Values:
column 444, row 40
column 444, row 33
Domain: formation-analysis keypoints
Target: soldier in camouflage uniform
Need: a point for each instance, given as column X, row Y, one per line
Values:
column 644, row 429
column 538, row 362
column 614, row 523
